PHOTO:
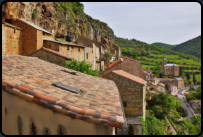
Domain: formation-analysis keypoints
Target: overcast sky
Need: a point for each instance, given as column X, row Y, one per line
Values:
column 167, row 22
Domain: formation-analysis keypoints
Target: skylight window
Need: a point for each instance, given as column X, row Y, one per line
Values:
column 73, row 73
column 66, row 87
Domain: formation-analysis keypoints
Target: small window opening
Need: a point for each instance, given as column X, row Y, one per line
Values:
column 14, row 30
column 66, row 87
column 14, row 44
column 87, row 55
column 46, row 132
column 33, row 129
column 67, row 47
column 73, row 47
column 78, row 48
column 44, row 33
column 49, row 45
column 124, row 104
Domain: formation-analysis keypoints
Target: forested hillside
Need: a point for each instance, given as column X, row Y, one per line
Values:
column 164, row 45
column 192, row 47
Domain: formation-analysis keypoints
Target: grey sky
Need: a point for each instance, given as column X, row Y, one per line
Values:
column 167, row 22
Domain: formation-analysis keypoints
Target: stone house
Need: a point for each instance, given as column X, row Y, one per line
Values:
column 37, row 99
column 67, row 48
column 117, row 50
column 32, row 36
column 132, row 90
column 161, row 87
column 11, row 39
column 179, row 82
column 51, row 56
column 91, row 51
column 194, row 104
column 169, row 69
column 172, row 89
column 127, row 64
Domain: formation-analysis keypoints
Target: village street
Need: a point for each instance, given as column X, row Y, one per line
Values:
column 180, row 96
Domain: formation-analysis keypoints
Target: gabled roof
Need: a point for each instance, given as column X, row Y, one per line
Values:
column 119, row 61
column 35, row 26
column 84, row 40
column 129, row 76
column 192, row 101
column 10, row 25
column 32, row 78
column 53, row 52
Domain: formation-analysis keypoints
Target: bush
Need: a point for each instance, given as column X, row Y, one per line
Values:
column 35, row 14
column 81, row 67
column 183, row 111
column 191, row 88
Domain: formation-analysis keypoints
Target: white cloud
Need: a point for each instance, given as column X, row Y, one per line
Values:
column 168, row 22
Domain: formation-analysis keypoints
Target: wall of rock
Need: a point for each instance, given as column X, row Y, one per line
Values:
column 51, row 17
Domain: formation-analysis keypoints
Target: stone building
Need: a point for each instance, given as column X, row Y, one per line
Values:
column 127, row 64
column 66, row 48
column 91, row 51
column 132, row 90
column 41, row 98
column 32, row 36
column 179, row 82
column 172, row 89
column 117, row 50
column 194, row 104
column 51, row 56
column 169, row 69
column 11, row 39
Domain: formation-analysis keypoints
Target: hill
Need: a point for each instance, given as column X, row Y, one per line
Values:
column 192, row 47
column 164, row 45
column 151, row 55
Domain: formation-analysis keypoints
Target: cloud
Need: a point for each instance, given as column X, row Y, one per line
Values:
column 168, row 22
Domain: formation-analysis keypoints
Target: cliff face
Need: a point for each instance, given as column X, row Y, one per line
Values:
column 61, row 18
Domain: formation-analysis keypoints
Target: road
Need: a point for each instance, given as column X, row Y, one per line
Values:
column 180, row 96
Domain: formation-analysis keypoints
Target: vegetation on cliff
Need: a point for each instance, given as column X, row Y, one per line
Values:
column 164, row 45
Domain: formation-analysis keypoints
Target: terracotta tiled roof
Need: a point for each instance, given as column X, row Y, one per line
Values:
column 192, row 101
column 162, row 85
column 53, row 52
column 10, row 25
column 119, row 61
column 129, row 76
column 72, row 44
column 32, row 78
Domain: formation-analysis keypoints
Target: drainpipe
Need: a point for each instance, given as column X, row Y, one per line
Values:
column 125, row 124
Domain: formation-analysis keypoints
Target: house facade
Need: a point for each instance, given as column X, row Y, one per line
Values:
column 194, row 104
column 37, row 99
column 69, row 49
column 169, row 69
column 133, row 93
column 90, row 51
column 32, row 36
column 172, row 89
column 11, row 39
column 127, row 64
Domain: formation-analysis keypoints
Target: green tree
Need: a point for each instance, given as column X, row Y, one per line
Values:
column 183, row 75
column 159, row 105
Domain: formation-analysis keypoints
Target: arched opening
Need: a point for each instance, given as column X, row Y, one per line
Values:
column 19, row 125
column 61, row 130
column 33, row 129
column 46, row 131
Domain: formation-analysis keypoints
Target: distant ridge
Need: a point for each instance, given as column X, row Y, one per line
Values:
column 164, row 45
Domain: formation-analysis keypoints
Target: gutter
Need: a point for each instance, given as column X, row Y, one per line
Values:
column 125, row 124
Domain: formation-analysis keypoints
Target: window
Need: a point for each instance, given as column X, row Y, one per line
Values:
column 78, row 48
column 14, row 44
column 49, row 45
column 87, row 55
column 67, row 47
column 19, row 126
column 33, row 129
column 44, row 33
column 14, row 30
column 124, row 104
column 73, row 47
column 66, row 87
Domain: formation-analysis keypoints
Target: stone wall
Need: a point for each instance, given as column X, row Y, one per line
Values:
column 11, row 40
column 73, row 52
column 29, row 37
column 51, row 45
column 47, row 56
column 21, row 117
column 131, row 93
column 179, row 83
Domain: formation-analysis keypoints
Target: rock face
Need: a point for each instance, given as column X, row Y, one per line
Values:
column 52, row 17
